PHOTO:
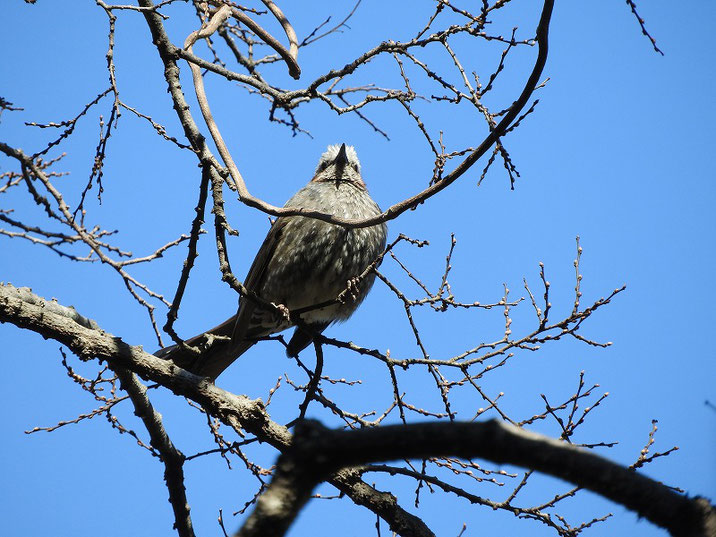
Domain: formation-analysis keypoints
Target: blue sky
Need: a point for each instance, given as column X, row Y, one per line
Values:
column 619, row 151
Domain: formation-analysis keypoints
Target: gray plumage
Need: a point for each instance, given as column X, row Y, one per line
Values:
column 303, row 262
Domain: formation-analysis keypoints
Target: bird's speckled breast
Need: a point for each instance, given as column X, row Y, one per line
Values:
column 316, row 259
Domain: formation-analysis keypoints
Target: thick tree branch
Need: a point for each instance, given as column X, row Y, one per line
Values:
column 24, row 309
column 317, row 452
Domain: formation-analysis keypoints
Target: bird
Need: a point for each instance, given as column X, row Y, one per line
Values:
column 302, row 266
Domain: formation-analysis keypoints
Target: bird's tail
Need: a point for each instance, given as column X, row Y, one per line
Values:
column 218, row 351
column 302, row 338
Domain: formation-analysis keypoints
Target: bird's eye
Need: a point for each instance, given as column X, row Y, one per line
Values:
column 355, row 166
column 322, row 166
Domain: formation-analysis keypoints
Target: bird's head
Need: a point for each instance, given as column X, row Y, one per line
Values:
column 339, row 164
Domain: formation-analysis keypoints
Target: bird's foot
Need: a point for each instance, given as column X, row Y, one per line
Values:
column 352, row 290
column 283, row 312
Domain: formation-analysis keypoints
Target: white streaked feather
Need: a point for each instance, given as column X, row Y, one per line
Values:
column 332, row 152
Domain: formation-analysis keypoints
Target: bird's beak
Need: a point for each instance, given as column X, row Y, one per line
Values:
column 342, row 157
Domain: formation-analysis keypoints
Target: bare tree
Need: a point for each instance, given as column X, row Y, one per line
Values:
column 257, row 49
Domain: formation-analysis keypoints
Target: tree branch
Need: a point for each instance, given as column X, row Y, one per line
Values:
column 317, row 452
column 172, row 458
column 24, row 309
column 168, row 52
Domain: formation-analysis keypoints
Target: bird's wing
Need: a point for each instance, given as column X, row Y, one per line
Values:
column 255, row 278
